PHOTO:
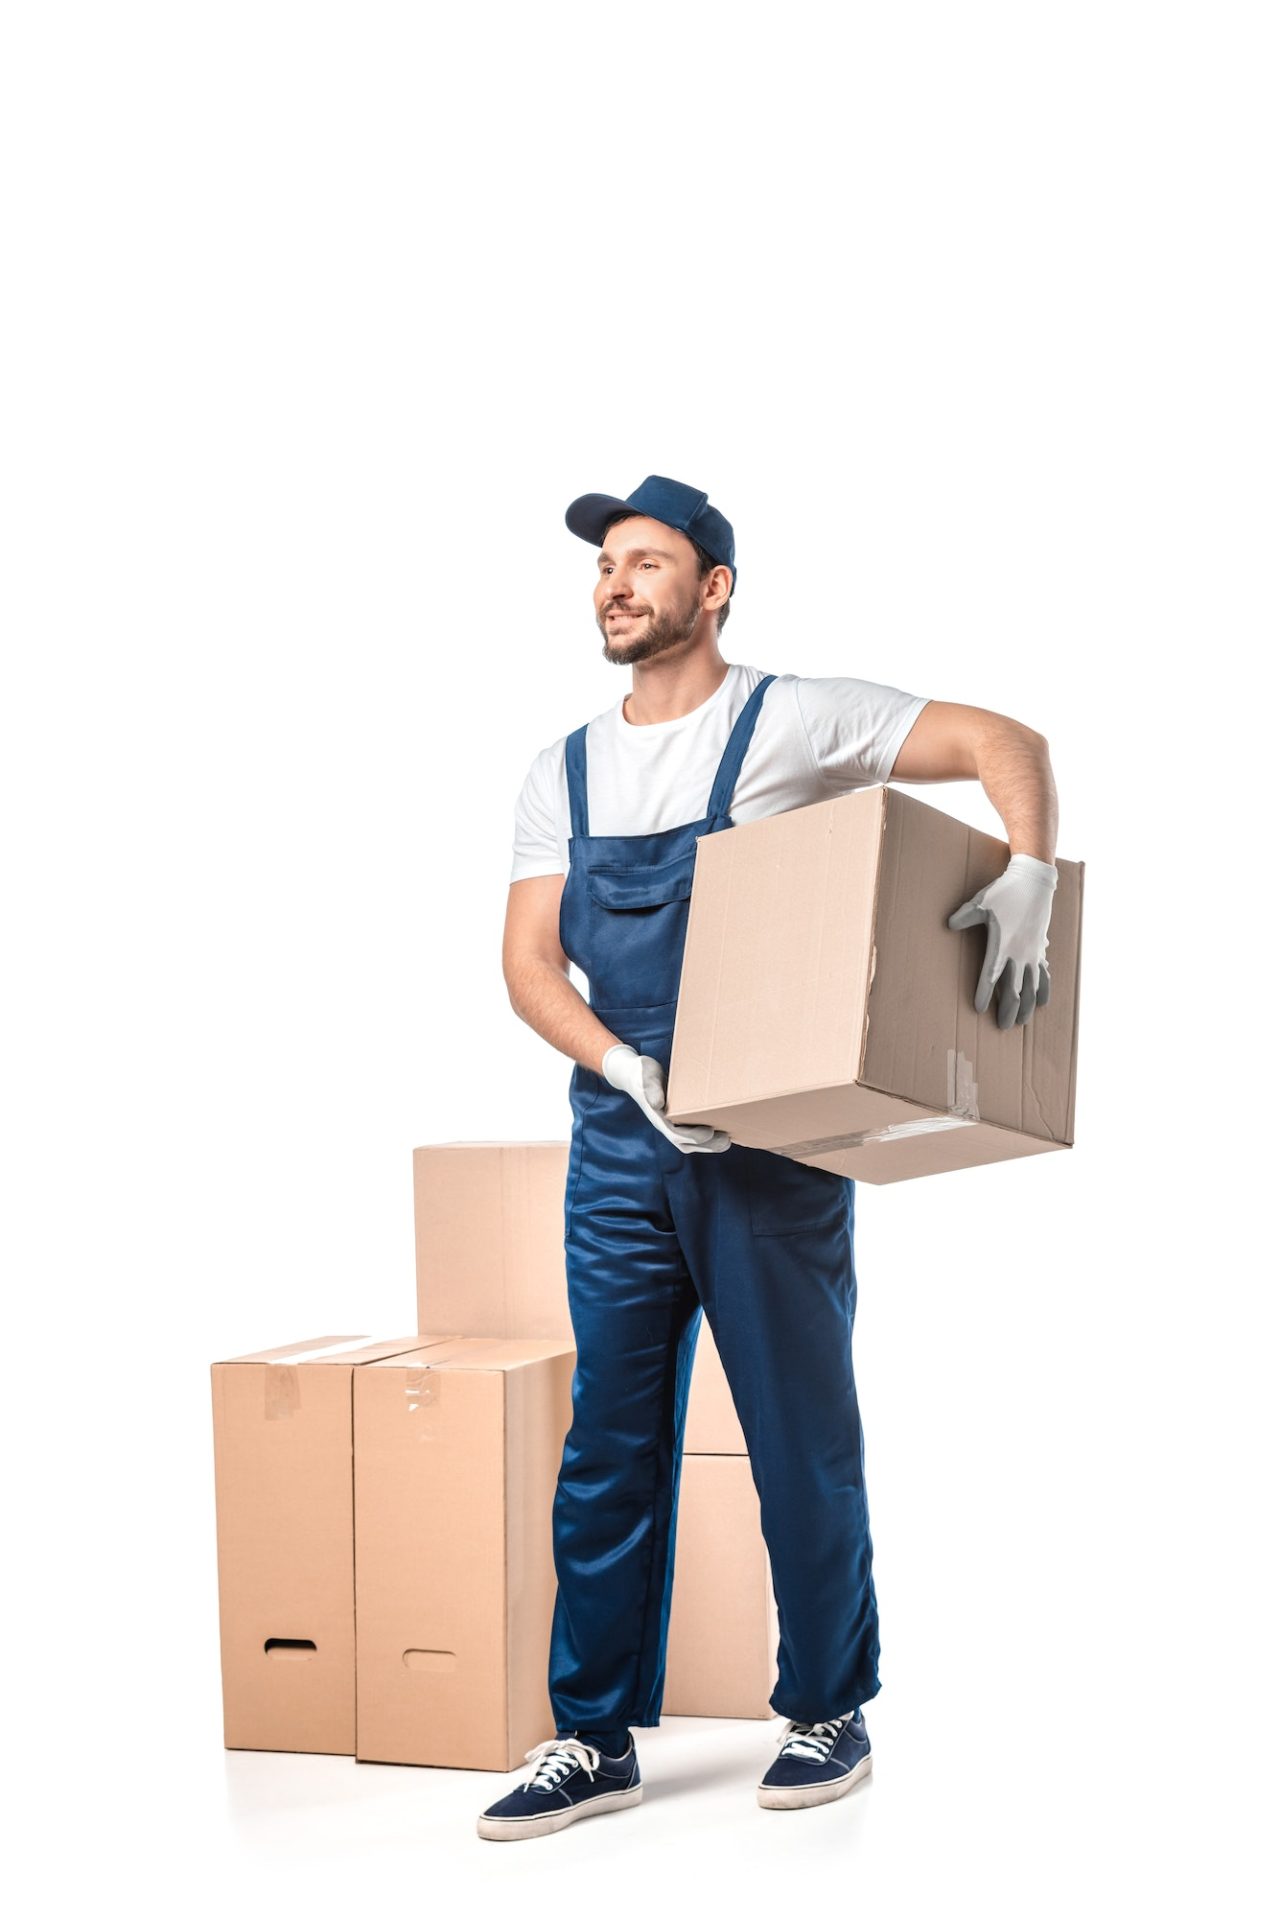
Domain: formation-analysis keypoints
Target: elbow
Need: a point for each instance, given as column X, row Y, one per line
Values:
column 1014, row 732
column 511, row 979
column 1001, row 738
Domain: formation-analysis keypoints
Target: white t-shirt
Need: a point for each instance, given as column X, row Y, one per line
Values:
column 813, row 738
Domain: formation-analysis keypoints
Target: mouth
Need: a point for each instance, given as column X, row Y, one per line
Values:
column 624, row 615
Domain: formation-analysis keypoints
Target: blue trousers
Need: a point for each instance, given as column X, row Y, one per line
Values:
column 655, row 1237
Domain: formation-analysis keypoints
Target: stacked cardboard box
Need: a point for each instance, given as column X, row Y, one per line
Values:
column 457, row 1448
column 490, row 1255
column 722, row 1648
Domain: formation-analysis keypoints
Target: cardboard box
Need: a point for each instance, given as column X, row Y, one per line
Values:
column 489, row 1235
column 711, row 1422
column 457, row 1452
column 722, row 1641
column 282, row 1447
column 826, row 1008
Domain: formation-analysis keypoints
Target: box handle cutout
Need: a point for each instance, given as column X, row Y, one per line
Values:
column 418, row 1661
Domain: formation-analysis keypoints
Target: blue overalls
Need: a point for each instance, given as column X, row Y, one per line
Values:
column 653, row 1237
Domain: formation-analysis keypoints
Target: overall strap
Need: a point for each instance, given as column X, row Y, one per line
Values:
column 575, row 767
column 735, row 752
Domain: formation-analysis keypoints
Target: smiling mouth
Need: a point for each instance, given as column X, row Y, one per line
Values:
column 625, row 615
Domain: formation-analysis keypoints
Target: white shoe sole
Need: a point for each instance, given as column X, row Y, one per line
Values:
column 795, row 1797
column 549, row 1821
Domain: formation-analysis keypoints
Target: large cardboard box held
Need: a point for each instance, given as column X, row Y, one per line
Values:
column 457, row 1450
column 282, row 1448
column 489, row 1237
column 722, row 1640
column 826, row 1007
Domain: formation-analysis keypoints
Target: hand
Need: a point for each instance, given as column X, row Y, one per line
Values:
column 1016, row 909
column 643, row 1077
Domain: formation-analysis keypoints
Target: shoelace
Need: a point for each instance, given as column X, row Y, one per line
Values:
column 555, row 1758
column 812, row 1741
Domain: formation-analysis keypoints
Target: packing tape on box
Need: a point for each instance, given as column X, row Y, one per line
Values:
column 878, row 1135
column 962, row 1109
column 422, row 1395
column 326, row 1349
column 281, row 1392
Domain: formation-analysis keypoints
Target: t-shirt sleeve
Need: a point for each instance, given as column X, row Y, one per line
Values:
column 536, row 850
column 855, row 727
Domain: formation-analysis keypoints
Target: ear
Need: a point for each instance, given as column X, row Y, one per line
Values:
column 716, row 588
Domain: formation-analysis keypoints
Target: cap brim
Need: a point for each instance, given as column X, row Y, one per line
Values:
column 588, row 515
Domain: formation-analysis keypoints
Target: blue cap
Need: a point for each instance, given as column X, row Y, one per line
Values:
column 683, row 507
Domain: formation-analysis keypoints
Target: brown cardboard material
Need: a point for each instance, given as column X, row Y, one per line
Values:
column 282, row 1440
column 711, row 1422
column 489, row 1237
column 722, row 1642
column 457, row 1451
column 826, row 1007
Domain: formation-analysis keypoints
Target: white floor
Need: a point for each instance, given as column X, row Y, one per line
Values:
column 1079, row 1712
column 1023, row 1806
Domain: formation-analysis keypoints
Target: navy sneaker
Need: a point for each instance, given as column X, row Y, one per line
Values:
column 817, row 1762
column 570, row 1780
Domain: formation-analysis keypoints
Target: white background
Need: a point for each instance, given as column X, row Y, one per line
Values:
column 315, row 320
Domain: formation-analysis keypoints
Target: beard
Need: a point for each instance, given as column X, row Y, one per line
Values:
column 661, row 632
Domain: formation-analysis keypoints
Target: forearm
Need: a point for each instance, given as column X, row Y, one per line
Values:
column 1013, row 764
column 546, row 999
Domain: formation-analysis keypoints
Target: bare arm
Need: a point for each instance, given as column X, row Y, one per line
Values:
column 537, row 974
column 949, row 741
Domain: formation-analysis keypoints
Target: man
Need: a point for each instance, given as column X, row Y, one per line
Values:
column 664, row 1222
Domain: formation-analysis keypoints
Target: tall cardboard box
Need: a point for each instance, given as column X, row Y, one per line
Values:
column 711, row 1420
column 722, row 1641
column 457, row 1451
column 826, row 1007
column 489, row 1239
column 489, row 1230
column 282, row 1448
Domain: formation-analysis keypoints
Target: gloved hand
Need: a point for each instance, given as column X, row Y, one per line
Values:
column 643, row 1077
column 1016, row 908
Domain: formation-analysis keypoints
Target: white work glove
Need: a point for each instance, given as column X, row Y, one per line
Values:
column 1016, row 909
column 643, row 1077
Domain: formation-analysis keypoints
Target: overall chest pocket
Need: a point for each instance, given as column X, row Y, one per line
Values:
column 638, row 919
column 790, row 1197
column 637, row 888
